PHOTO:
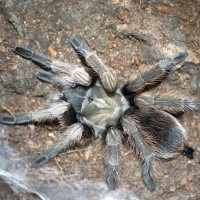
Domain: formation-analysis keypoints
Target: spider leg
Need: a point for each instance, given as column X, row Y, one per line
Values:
column 148, row 156
column 49, row 77
column 157, row 136
column 54, row 110
column 107, row 78
column 72, row 135
column 45, row 76
column 154, row 74
column 76, row 74
column 57, row 97
column 113, row 141
column 172, row 105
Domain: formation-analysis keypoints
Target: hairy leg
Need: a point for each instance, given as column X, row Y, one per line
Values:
column 54, row 110
column 107, row 78
column 45, row 76
column 75, row 74
column 57, row 80
column 72, row 135
column 155, row 136
column 154, row 74
column 148, row 156
column 113, row 142
column 169, row 104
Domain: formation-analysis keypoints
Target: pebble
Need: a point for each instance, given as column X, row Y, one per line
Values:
column 189, row 186
column 164, row 9
column 51, row 135
column 184, row 181
column 49, row 142
column 123, row 14
column 32, row 127
column 30, row 142
column 137, row 173
column 173, row 198
column 172, row 189
column 52, row 52
column 122, row 27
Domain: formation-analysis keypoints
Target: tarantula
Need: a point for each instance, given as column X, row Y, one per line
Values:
column 92, row 104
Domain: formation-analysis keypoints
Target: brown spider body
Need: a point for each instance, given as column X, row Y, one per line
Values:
column 117, row 114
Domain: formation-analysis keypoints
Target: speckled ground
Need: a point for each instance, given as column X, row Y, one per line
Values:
column 127, row 35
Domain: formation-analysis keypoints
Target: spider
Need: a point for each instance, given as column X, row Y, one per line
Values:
column 93, row 105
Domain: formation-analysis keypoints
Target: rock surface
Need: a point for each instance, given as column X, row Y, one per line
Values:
column 127, row 35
